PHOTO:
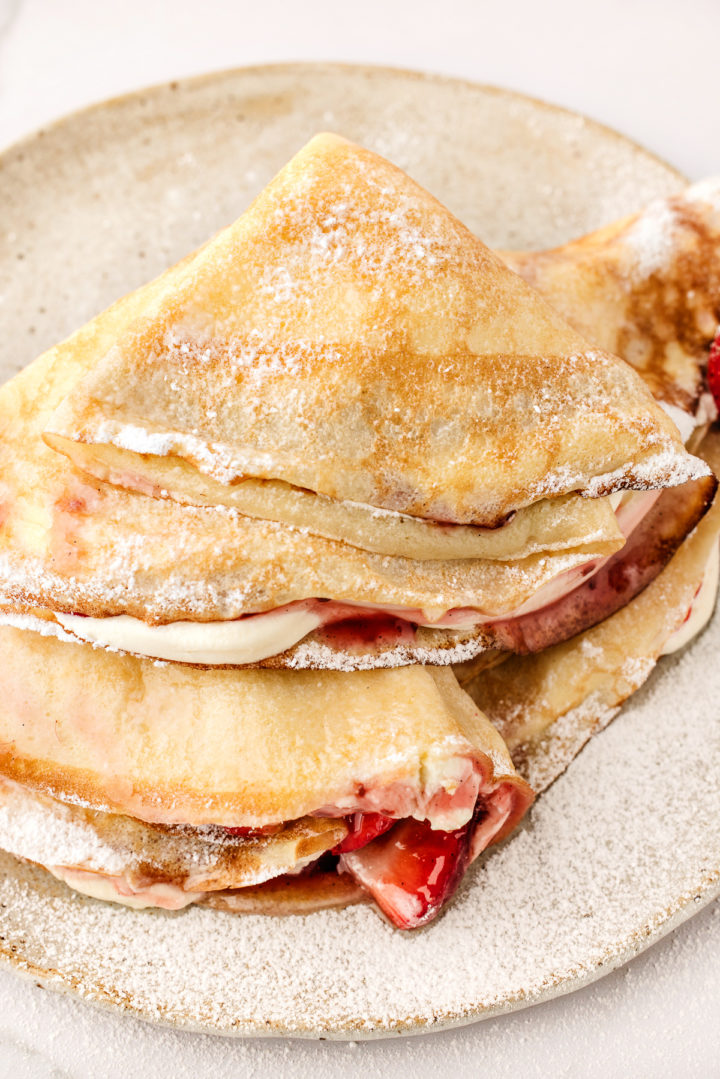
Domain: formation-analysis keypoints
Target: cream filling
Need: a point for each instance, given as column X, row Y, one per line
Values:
column 701, row 609
column 244, row 640
column 446, row 796
column 688, row 424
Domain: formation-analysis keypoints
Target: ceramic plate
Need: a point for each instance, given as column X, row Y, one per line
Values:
column 627, row 843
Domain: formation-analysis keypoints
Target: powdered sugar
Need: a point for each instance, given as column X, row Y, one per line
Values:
column 651, row 239
column 319, row 656
column 44, row 626
column 129, row 436
column 664, row 466
column 52, row 836
column 707, row 191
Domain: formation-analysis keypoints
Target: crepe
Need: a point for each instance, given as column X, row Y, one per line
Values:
column 76, row 554
column 547, row 706
column 122, row 859
column 75, row 550
column 31, row 398
column 132, row 773
column 646, row 288
column 349, row 337
column 546, row 525
column 68, row 544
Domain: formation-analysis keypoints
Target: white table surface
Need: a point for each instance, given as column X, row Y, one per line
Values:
column 649, row 69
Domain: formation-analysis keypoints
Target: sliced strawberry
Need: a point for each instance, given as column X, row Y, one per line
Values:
column 364, row 827
column 713, row 371
column 413, row 870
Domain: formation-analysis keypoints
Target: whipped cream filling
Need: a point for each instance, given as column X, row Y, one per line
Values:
column 257, row 637
column 701, row 608
column 446, row 797
column 243, row 640
column 684, row 421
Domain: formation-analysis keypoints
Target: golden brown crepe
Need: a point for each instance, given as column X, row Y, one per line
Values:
column 301, row 894
column 121, row 859
column 203, row 862
column 349, row 337
column 71, row 546
column 646, row 288
column 547, row 706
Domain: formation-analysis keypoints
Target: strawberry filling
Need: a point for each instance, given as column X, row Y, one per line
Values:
column 411, row 865
column 364, row 827
column 412, row 870
column 620, row 578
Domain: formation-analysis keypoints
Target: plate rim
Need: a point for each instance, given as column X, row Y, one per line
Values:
column 414, row 74
column 644, row 937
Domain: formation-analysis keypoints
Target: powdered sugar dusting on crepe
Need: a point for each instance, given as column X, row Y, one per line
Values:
column 43, row 626
column 319, row 656
column 651, row 238
column 59, row 837
column 665, row 463
column 707, row 191
column 342, row 325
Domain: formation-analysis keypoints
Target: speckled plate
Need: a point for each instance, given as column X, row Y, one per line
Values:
column 627, row 843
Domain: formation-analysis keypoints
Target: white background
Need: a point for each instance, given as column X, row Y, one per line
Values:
column 649, row 69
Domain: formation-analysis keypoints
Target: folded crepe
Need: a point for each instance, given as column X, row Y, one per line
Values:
column 647, row 288
column 161, row 784
column 397, row 396
column 71, row 546
column 547, row 706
